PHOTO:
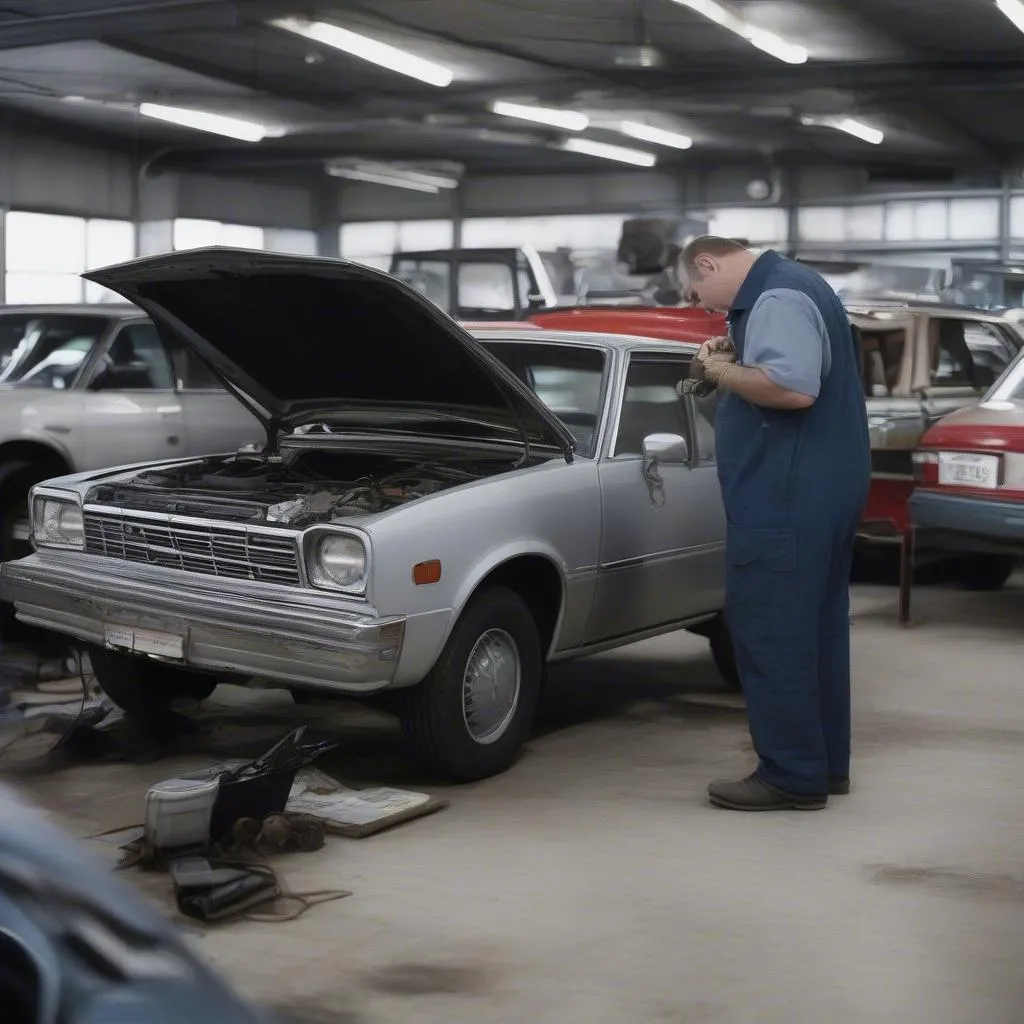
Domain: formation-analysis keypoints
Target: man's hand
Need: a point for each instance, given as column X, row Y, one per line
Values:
column 723, row 343
column 716, row 364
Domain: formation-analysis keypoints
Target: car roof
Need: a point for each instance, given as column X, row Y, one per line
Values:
column 862, row 307
column 104, row 309
column 585, row 339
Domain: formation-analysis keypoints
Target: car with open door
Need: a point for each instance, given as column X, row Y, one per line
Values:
column 920, row 362
column 83, row 387
column 969, row 485
column 431, row 515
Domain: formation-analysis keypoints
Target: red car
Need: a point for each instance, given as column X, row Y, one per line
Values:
column 969, row 488
column 666, row 323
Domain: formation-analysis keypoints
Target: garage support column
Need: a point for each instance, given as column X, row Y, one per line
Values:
column 328, row 199
column 1005, row 202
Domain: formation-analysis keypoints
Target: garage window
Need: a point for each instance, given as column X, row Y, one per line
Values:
column 48, row 253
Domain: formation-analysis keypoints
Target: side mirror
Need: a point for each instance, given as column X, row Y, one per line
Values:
column 663, row 449
column 535, row 300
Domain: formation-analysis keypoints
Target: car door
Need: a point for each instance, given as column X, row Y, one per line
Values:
column 961, row 360
column 663, row 530
column 215, row 421
column 130, row 408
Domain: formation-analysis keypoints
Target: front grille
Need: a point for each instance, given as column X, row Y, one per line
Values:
column 208, row 548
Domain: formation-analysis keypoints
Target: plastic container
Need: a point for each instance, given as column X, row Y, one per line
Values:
column 178, row 812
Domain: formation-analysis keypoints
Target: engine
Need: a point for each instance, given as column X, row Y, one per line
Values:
column 305, row 488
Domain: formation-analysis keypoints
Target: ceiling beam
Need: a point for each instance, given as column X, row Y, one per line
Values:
column 129, row 17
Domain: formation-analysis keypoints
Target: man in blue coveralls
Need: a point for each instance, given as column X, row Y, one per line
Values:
column 794, row 466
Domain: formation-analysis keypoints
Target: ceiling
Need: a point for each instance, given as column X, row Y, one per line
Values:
column 941, row 78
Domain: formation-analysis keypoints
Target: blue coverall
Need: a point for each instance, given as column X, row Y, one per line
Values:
column 794, row 485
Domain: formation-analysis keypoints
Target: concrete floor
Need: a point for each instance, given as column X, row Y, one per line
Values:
column 592, row 883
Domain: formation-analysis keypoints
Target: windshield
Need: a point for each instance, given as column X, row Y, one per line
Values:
column 47, row 350
column 568, row 379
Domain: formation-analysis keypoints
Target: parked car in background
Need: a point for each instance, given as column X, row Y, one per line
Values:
column 969, row 484
column 91, row 386
column 483, row 284
column 920, row 363
column 434, row 515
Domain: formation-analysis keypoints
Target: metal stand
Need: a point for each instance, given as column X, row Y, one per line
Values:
column 906, row 574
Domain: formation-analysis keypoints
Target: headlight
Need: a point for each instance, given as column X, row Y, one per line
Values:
column 57, row 522
column 338, row 562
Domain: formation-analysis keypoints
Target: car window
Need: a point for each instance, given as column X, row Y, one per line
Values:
column 882, row 353
column 569, row 380
column 486, row 288
column 192, row 373
column 651, row 403
column 135, row 360
column 429, row 277
column 951, row 360
column 990, row 352
column 48, row 351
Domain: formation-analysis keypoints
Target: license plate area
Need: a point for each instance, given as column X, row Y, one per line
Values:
column 969, row 469
column 135, row 640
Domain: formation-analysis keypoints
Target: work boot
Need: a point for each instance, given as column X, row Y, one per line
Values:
column 754, row 794
column 838, row 785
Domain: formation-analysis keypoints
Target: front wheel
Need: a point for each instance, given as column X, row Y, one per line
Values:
column 987, row 572
column 724, row 653
column 470, row 717
column 144, row 689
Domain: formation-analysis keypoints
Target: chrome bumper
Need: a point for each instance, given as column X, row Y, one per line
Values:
column 277, row 633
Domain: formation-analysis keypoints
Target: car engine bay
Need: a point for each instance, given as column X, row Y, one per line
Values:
column 299, row 490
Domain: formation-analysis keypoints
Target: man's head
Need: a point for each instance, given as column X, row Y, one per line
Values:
column 713, row 269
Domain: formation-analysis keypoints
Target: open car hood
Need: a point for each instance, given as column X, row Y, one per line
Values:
column 299, row 338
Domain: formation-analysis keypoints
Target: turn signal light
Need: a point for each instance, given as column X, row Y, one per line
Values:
column 926, row 468
column 425, row 573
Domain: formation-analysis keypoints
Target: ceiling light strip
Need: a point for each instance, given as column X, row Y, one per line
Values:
column 764, row 40
column 569, row 120
column 589, row 147
column 382, row 54
column 656, row 136
column 201, row 120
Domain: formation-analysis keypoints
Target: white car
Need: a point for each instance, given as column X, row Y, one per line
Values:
column 85, row 387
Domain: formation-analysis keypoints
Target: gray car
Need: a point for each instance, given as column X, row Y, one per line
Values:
column 431, row 513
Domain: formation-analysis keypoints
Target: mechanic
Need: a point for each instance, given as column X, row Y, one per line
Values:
column 793, row 454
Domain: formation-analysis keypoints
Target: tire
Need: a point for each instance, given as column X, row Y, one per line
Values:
column 987, row 572
column 144, row 689
column 724, row 655
column 16, row 480
column 444, row 734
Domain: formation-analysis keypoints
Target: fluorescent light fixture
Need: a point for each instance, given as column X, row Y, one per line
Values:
column 372, row 50
column 656, row 136
column 860, row 130
column 396, row 177
column 764, row 40
column 203, row 121
column 608, row 152
column 570, row 120
column 1014, row 10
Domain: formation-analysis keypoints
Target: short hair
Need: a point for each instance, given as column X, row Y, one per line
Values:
column 708, row 245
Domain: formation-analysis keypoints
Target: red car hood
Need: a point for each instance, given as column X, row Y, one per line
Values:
column 995, row 426
column 666, row 323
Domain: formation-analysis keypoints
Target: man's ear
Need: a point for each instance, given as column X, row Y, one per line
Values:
column 705, row 264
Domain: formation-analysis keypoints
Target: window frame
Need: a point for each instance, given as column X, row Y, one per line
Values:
column 605, row 393
column 88, row 371
column 684, row 358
